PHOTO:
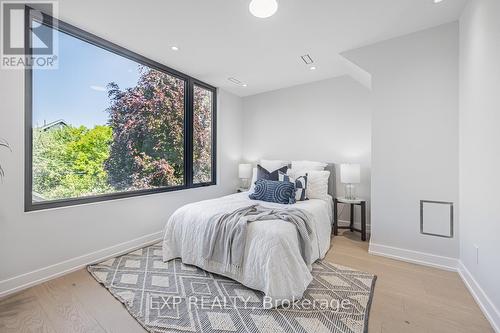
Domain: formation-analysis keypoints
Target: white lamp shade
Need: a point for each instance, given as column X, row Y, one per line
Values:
column 245, row 171
column 350, row 173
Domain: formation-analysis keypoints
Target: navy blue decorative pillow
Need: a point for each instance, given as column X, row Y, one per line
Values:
column 300, row 185
column 274, row 191
column 264, row 174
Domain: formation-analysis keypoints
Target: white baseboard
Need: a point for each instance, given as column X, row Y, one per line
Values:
column 490, row 311
column 26, row 280
column 415, row 257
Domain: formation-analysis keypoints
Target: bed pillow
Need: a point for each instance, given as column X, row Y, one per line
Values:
column 308, row 165
column 300, row 183
column 274, row 191
column 317, row 185
column 272, row 165
column 263, row 173
column 317, row 182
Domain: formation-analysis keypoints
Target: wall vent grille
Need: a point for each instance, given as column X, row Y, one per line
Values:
column 306, row 58
column 432, row 212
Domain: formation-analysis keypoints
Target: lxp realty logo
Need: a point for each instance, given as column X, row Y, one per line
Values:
column 29, row 35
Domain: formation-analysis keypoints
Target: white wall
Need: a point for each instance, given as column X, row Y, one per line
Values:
column 324, row 121
column 31, row 241
column 479, row 146
column 414, row 136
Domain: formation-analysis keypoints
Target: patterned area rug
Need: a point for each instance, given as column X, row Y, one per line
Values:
column 173, row 297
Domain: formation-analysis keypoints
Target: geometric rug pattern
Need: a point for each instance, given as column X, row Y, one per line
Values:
column 173, row 297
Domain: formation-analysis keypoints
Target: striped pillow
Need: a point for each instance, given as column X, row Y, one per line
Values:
column 299, row 182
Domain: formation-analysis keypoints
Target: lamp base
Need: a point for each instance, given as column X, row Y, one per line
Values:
column 245, row 183
column 350, row 192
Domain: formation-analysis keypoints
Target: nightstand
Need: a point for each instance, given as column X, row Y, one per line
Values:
column 351, row 203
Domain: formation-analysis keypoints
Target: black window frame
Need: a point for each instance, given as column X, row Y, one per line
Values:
column 189, row 83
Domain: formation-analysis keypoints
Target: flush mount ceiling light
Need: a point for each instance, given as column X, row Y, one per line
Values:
column 438, row 1
column 175, row 48
column 263, row 8
column 312, row 68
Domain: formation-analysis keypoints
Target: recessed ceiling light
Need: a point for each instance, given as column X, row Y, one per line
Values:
column 312, row 68
column 438, row 1
column 175, row 48
column 244, row 85
column 263, row 8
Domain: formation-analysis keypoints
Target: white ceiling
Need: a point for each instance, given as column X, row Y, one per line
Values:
column 218, row 39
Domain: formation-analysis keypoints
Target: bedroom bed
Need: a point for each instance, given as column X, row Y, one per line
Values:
column 272, row 260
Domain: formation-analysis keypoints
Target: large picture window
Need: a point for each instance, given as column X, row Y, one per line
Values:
column 109, row 123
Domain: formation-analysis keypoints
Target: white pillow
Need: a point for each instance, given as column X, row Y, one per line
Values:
column 272, row 165
column 317, row 182
column 308, row 165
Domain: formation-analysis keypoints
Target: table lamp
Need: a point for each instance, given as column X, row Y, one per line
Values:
column 350, row 175
column 245, row 174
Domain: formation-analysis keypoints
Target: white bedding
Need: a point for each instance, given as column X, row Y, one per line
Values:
column 272, row 263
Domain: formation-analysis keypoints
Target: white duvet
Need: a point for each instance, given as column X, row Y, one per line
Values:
column 272, row 262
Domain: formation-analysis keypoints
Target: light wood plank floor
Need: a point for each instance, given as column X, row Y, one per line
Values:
column 408, row 298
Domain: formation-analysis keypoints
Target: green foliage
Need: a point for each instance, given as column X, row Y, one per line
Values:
column 148, row 132
column 68, row 162
column 142, row 146
column 202, row 135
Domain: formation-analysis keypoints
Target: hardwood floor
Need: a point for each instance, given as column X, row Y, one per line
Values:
column 408, row 298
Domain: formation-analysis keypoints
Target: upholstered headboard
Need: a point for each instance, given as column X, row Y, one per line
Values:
column 332, row 181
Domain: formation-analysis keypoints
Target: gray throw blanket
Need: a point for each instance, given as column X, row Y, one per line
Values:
column 226, row 235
